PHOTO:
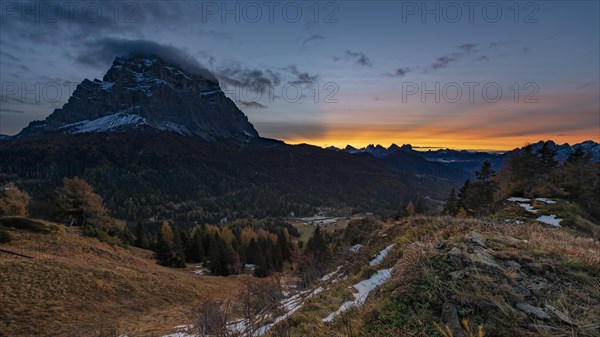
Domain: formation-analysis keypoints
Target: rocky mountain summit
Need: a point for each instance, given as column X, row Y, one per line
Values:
column 146, row 92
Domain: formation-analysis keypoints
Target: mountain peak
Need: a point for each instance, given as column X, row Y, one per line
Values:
column 141, row 91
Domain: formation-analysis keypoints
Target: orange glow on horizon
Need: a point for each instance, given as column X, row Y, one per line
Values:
column 467, row 142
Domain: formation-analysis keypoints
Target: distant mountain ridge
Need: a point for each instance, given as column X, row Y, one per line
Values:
column 146, row 92
column 469, row 160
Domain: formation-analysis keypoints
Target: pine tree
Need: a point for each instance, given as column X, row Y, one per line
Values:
column 316, row 243
column 213, row 255
column 464, row 200
column 222, row 257
column 251, row 252
column 142, row 237
column 401, row 210
column 195, row 252
column 546, row 157
column 484, row 188
column 177, row 258
column 162, row 251
column 451, row 206
column 420, row 209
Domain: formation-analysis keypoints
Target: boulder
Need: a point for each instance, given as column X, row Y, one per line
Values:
column 450, row 319
column 532, row 310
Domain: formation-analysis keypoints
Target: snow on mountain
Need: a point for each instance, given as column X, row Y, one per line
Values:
column 106, row 123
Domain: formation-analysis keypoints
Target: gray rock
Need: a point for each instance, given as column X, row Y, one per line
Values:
column 484, row 259
column 561, row 315
column 450, row 318
column 532, row 310
column 521, row 289
column 459, row 274
column 537, row 284
column 513, row 265
column 457, row 262
column 478, row 239
column 455, row 251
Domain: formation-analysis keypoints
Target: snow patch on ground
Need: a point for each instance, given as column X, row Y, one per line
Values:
column 550, row 220
column 546, row 200
column 528, row 208
column 363, row 289
column 517, row 199
column 199, row 270
column 330, row 275
column 356, row 248
column 382, row 254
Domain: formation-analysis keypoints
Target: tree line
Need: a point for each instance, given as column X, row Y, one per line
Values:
column 223, row 250
column 531, row 173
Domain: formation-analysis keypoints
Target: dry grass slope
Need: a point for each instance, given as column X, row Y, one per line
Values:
column 493, row 275
column 75, row 285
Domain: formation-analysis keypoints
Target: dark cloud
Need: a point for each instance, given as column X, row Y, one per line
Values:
column 467, row 47
column 442, row 62
column 236, row 75
column 301, row 77
column 464, row 50
column 84, row 18
column 250, row 105
column 313, row 37
column 400, row 72
column 482, row 58
column 101, row 53
column 359, row 57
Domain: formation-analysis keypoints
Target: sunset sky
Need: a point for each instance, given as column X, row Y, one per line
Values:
column 361, row 67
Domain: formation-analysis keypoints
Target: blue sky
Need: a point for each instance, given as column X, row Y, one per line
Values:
column 371, row 63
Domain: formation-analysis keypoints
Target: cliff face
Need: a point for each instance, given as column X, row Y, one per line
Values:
column 145, row 92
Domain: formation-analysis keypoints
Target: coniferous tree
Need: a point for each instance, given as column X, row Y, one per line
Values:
column 162, row 251
column 484, row 188
column 465, row 197
column 546, row 158
column 401, row 210
column 142, row 237
column 316, row 243
column 452, row 203
column 420, row 208
column 177, row 258
column 195, row 251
